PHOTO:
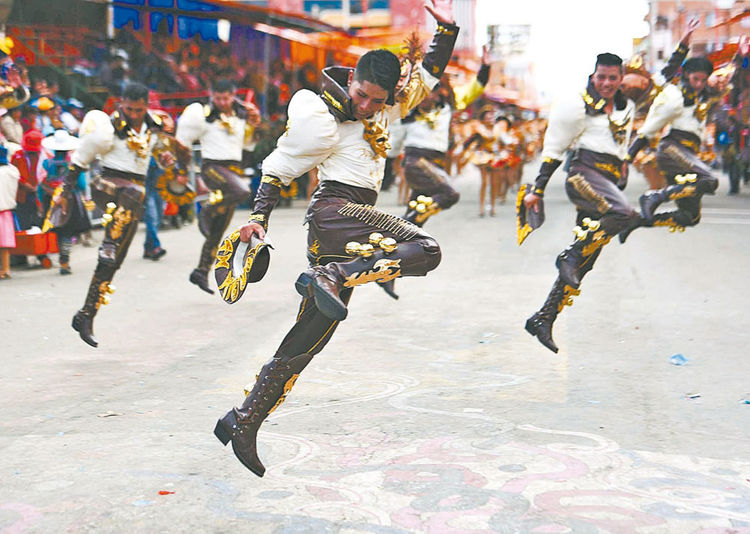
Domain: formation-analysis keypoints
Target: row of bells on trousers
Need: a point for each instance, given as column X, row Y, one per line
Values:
column 387, row 244
column 421, row 203
column 682, row 179
column 107, row 216
column 215, row 197
column 108, row 290
column 589, row 224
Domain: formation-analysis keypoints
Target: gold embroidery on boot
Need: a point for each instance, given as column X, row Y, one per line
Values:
column 687, row 192
column 567, row 298
column 587, row 192
column 384, row 270
column 599, row 239
column 287, row 388
column 673, row 226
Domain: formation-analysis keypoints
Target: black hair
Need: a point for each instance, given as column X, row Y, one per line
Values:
column 135, row 91
column 224, row 86
column 380, row 67
column 506, row 120
column 608, row 60
column 698, row 64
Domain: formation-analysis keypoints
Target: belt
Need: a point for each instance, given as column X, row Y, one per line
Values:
column 116, row 173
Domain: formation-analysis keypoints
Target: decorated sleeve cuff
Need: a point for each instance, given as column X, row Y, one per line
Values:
column 441, row 49
column 549, row 166
column 639, row 144
column 266, row 198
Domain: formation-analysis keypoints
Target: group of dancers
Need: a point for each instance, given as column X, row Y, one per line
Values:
column 343, row 132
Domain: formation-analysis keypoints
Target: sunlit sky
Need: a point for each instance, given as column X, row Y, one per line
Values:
column 566, row 35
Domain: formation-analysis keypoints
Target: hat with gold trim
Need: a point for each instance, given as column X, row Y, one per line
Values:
column 238, row 264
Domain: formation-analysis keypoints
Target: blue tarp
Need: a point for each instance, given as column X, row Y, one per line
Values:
column 187, row 27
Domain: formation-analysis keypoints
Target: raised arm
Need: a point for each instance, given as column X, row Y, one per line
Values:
column 468, row 93
column 678, row 56
column 426, row 75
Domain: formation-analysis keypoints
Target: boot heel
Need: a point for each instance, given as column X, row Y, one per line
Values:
column 223, row 429
column 530, row 327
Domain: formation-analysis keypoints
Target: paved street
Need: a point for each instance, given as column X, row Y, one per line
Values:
column 436, row 413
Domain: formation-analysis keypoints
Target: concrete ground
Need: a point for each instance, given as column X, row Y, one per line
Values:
column 435, row 413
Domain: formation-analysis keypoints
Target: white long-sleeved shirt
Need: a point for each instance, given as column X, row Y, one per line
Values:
column 431, row 132
column 131, row 154
column 220, row 140
column 570, row 127
column 669, row 109
column 314, row 138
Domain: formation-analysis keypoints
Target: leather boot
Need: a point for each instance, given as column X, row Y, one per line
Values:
column 205, row 217
column 98, row 294
column 568, row 263
column 200, row 278
column 324, row 283
column 589, row 238
column 540, row 324
column 83, row 323
column 649, row 201
column 635, row 223
column 686, row 186
column 240, row 425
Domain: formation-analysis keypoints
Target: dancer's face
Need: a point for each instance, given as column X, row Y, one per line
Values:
column 607, row 80
column 134, row 110
column 223, row 101
column 367, row 98
column 697, row 81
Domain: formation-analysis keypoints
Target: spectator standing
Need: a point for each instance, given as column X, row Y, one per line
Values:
column 30, row 163
column 154, row 208
column 9, row 177
column 61, row 144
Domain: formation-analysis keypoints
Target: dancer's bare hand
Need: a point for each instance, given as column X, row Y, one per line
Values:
column 692, row 25
column 251, row 229
column 253, row 114
column 531, row 201
column 166, row 159
column 441, row 10
column 485, row 54
column 62, row 202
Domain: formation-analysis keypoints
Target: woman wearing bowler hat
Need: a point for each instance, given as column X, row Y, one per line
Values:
column 61, row 144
